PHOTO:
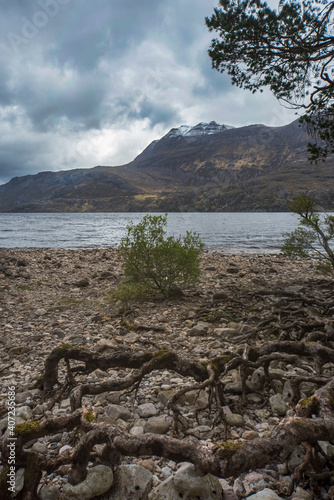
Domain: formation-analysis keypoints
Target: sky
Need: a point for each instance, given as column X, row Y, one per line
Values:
column 86, row 83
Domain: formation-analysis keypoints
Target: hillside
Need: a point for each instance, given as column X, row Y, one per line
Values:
column 208, row 167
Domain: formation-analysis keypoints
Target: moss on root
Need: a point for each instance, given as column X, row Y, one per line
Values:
column 33, row 430
column 228, row 448
column 30, row 429
column 64, row 347
column 164, row 355
column 90, row 416
column 312, row 403
column 218, row 364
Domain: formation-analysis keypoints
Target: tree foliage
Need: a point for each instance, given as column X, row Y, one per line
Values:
column 313, row 236
column 290, row 50
column 154, row 262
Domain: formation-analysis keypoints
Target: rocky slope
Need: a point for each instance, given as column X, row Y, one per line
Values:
column 208, row 167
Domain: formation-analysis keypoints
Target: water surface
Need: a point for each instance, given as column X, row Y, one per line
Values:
column 230, row 232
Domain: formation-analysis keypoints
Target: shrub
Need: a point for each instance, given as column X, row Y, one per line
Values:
column 313, row 235
column 154, row 262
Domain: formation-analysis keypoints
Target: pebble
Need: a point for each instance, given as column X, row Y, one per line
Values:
column 64, row 301
column 278, row 405
column 147, row 410
column 249, row 435
column 235, row 420
column 65, row 449
column 157, row 425
column 40, row 448
column 265, row 494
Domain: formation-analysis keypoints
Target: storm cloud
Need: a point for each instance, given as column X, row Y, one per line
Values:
column 86, row 83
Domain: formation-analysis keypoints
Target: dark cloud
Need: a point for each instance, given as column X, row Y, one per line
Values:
column 51, row 96
column 86, row 83
column 154, row 113
column 6, row 95
column 17, row 158
column 213, row 82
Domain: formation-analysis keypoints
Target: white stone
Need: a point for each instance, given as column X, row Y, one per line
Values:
column 65, row 449
column 19, row 480
column 185, row 483
column 166, row 472
column 137, row 430
column 49, row 492
column 131, row 482
column 235, row 420
column 157, row 425
column 296, row 458
column 265, row 494
column 278, row 405
column 39, row 447
column 98, row 481
column 147, row 410
column 24, row 412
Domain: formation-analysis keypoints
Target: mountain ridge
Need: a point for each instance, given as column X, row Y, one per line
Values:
column 208, row 167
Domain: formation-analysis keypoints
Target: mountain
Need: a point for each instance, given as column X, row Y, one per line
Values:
column 209, row 167
column 199, row 130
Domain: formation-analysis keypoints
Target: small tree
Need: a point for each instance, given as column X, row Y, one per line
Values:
column 312, row 236
column 153, row 262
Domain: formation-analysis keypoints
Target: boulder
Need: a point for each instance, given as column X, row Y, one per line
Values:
column 49, row 492
column 39, row 447
column 66, row 449
column 265, row 494
column 130, row 482
column 147, row 410
column 136, row 430
column 201, row 399
column 114, row 412
column 185, row 483
column 198, row 331
column 234, row 420
column 278, row 405
column 297, row 457
column 157, row 425
column 24, row 412
column 98, row 481
column 23, row 397
column 19, row 480
column 257, row 379
column 229, row 495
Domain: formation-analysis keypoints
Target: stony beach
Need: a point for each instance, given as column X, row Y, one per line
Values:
column 50, row 298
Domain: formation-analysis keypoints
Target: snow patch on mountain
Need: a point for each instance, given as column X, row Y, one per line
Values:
column 199, row 130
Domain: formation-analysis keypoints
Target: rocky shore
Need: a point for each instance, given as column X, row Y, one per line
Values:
column 50, row 298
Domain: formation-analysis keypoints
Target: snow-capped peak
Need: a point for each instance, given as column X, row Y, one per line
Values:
column 199, row 129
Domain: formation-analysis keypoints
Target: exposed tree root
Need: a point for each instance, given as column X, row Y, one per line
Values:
column 313, row 421
column 288, row 335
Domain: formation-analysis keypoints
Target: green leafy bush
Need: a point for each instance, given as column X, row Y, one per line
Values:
column 153, row 262
column 313, row 235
